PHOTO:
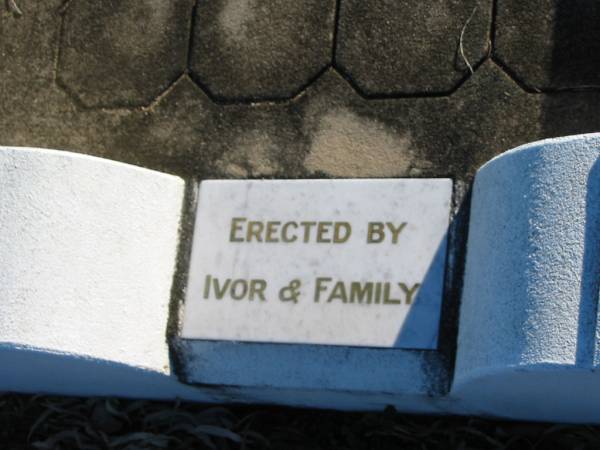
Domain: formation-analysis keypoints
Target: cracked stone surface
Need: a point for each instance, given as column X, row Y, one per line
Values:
column 123, row 53
column 550, row 44
column 410, row 47
column 327, row 130
column 257, row 49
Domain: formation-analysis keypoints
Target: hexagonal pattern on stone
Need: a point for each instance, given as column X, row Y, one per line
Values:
column 329, row 130
column 123, row 53
column 260, row 49
column 390, row 47
column 550, row 44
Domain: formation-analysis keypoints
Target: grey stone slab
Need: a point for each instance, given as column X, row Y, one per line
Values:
column 565, row 113
column 328, row 130
column 411, row 47
column 256, row 49
column 188, row 134
column 550, row 44
column 123, row 53
column 28, row 48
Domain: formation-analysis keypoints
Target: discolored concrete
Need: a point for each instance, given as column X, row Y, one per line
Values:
column 411, row 47
column 550, row 44
column 328, row 129
column 257, row 49
column 122, row 53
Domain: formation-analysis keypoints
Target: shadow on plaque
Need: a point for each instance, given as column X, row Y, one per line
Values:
column 420, row 330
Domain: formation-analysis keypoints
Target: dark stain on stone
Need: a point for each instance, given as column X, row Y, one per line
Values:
column 550, row 45
column 179, row 284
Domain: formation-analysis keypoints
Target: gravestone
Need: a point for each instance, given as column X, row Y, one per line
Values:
column 122, row 281
column 337, row 262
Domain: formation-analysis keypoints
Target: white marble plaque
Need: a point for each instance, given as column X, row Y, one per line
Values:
column 336, row 262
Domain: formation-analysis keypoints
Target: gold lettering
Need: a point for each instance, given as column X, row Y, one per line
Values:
column 272, row 228
column 319, row 288
column 254, row 230
column 322, row 229
column 284, row 231
column 235, row 227
column 338, row 292
column 238, row 294
column 395, row 230
column 207, row 286
column 220, row 290
column 338, row 236
column 386, row 296
column 375, row 233
column 409, row 292
column 360, row 292
column 257, row 288
column 378, row 292
column 307, row 226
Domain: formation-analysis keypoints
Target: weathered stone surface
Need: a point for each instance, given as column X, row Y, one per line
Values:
column 410, row 47
column 328, row 130
column 566, row 113
column 349, row 136
column 187, row 133
column 123, row 53
column 550, row 44
column 256, row 49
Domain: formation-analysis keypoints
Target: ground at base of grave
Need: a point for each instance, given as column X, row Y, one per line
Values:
column 42, row 422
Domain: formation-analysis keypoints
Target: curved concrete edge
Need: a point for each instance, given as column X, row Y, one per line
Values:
column 527, row 329
column 541, row 392
column 27, row 370
column 88, row 251
column 532, row 146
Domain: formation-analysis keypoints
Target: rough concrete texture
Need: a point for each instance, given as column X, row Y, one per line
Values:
column 257, row 49
column 98, row 248
column 327, row 130
column 88, row 255
column 532, row 276
column 375, row 378
column 122, row 53
column 411, row 47
column 550, row 44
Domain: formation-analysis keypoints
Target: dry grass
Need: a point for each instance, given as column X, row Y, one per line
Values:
column 73, row 423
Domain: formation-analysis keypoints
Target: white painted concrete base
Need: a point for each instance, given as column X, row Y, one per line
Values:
column 87, row 254
column 88, row 250
column 528, row 335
